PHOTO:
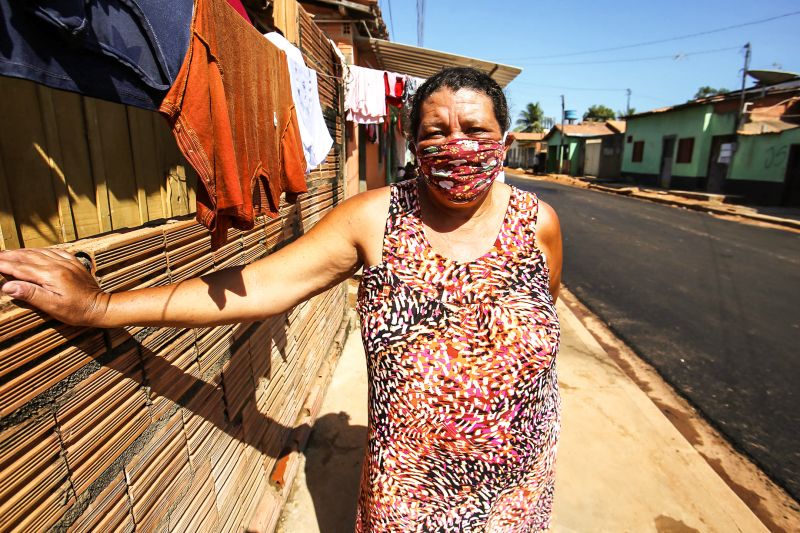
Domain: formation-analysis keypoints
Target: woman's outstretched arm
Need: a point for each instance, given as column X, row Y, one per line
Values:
column 57, row 284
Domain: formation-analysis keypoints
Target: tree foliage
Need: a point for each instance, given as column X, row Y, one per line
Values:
column 599, row 113
column 705, row 91
column 624, row 114
column 530, row 118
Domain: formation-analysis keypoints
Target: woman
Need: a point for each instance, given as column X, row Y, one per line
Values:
column 458, row 318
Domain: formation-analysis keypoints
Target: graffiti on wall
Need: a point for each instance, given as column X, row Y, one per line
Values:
column 776, row 156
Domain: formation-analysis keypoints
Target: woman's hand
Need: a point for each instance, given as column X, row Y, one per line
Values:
column 54, row 282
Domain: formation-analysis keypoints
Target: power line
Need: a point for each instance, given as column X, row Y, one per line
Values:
column 391, row 19
column 605, row 89
column 658, row 41
column 654, row 98
column 597, row 89
column 674, row 57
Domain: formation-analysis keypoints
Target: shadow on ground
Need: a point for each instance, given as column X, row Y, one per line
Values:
column 334, row 456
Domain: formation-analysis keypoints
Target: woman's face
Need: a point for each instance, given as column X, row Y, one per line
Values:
column 464, row 114
column 448, row 115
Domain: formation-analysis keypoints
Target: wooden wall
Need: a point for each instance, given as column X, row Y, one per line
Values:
column 149, row 428
column 72, row 167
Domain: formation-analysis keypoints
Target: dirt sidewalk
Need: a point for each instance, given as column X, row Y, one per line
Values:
column 622, row 464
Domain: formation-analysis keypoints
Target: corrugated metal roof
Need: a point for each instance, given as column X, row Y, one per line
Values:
column 424, row 62
column 762, row 125
column 587, row 129
column 789, row 87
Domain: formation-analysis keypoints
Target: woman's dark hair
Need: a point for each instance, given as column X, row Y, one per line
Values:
column 456, row 78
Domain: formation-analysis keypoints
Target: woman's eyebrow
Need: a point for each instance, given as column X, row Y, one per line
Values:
column 433, row 123
column 475, row 120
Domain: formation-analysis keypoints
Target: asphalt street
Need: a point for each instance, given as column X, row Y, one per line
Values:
column 713, row 304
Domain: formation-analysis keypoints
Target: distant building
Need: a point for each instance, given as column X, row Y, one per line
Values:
column 528, row 151
column 702, row 144
column 600, row 141
column 357, row 28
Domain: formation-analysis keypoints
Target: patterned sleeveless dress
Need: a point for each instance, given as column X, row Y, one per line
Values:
column 463, row 398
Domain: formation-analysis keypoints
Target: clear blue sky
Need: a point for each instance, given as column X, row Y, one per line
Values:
column 513, row 32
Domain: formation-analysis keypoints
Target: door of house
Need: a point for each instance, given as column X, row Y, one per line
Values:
column 592, row 159
column 667, row 151
column 721, row 153
column 791, row 187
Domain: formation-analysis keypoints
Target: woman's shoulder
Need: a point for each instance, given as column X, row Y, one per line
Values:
column 539, row 214
column 363, row 217
column 548, row 227
column 529, row 200
column 367, row 206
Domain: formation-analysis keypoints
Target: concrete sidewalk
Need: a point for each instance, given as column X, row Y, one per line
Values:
column 622, row 466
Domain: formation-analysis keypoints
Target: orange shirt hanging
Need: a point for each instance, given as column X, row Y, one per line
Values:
column 232, row 113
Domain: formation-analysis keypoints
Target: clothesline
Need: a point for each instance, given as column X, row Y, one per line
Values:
column 331, row 76
column 170, row 83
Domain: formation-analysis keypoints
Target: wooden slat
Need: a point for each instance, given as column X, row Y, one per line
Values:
column 23, row 151
column 51, row 153
column 146, row 167
column 75, row 160
column 113, row 137
column 9, row 235
column 97, row 156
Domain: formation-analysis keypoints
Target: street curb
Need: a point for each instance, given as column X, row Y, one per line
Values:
column 706, row 207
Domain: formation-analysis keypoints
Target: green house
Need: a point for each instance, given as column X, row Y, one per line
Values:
column 574, row 144
column 697, row 145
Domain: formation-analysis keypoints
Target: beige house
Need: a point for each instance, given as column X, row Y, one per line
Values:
column 528, row 151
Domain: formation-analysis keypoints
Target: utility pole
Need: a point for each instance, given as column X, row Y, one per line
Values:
column 420, row 22
column 719, row 185
column 561, row 138
column 740, row 116
column 628, row 104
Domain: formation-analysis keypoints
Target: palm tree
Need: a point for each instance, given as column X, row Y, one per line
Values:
column 530, row 118
column 599, row 113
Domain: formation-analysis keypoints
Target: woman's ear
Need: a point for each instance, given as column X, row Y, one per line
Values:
column 509, row 139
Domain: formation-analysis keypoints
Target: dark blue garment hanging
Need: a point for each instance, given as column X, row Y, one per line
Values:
column 126, row 51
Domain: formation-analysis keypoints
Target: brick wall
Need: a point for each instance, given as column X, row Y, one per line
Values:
column 166, row 428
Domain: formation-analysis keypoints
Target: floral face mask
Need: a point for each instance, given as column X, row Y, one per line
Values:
column 462, row 169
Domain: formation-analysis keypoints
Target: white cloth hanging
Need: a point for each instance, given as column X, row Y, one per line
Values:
column 366, row 95
column 317, row 141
